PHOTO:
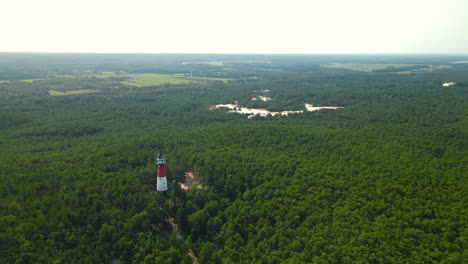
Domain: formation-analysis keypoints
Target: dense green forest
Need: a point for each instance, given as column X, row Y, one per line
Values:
column 380, row 180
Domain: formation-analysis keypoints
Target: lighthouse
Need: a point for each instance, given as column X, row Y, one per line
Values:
column 161, row 171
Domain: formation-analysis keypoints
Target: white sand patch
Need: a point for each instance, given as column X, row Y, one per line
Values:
column 230, row 106
column 263, row 98
column 263, row 112
column 448, row 84
column 189, row 181
column 311, row 108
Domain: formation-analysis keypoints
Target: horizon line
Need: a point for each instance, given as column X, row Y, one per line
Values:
column 233, row 53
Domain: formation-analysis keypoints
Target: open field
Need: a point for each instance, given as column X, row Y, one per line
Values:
column 222, row 63
column 25, row 80
column 430, row 69
column 140, row 80
column 149, row 79
column 32, row 80
column 74, row 92
column 251, row 61
column 405, row 68
column 364, row 67
column 214, row 63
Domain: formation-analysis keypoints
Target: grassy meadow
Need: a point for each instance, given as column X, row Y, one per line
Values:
column 149, row 79
column 364, row 67
column 74, row 92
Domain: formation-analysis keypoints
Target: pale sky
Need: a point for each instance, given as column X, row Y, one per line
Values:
column 235, row 26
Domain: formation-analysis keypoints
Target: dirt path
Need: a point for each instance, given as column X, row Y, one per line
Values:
column 192, row 255
column 175, row 229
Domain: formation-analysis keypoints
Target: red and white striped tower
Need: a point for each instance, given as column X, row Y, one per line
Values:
column 161, row 185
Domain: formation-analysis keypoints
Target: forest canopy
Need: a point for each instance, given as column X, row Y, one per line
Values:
column 382, row 179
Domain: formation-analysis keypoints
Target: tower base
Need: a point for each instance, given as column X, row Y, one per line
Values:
column 161, row 185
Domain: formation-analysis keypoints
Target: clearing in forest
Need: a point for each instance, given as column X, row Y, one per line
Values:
column 263, row 98
column 149, row 79
column 73, row 92
column 252, row 112
column 213, row 63
column 190, row 180
column 223, row 63
column 364, row 67
column 24, row 80
column 431, row 68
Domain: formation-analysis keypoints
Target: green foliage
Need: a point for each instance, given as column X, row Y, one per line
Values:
column 380, row 181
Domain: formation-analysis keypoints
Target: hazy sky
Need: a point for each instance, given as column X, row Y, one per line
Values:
column 235, row 26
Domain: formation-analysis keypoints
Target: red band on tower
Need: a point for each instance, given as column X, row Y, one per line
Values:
column 161, row 170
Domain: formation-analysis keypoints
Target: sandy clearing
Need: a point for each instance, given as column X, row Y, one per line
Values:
column 189, row 181
column 311, row 108
column 263, row 98
column 263, row 112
